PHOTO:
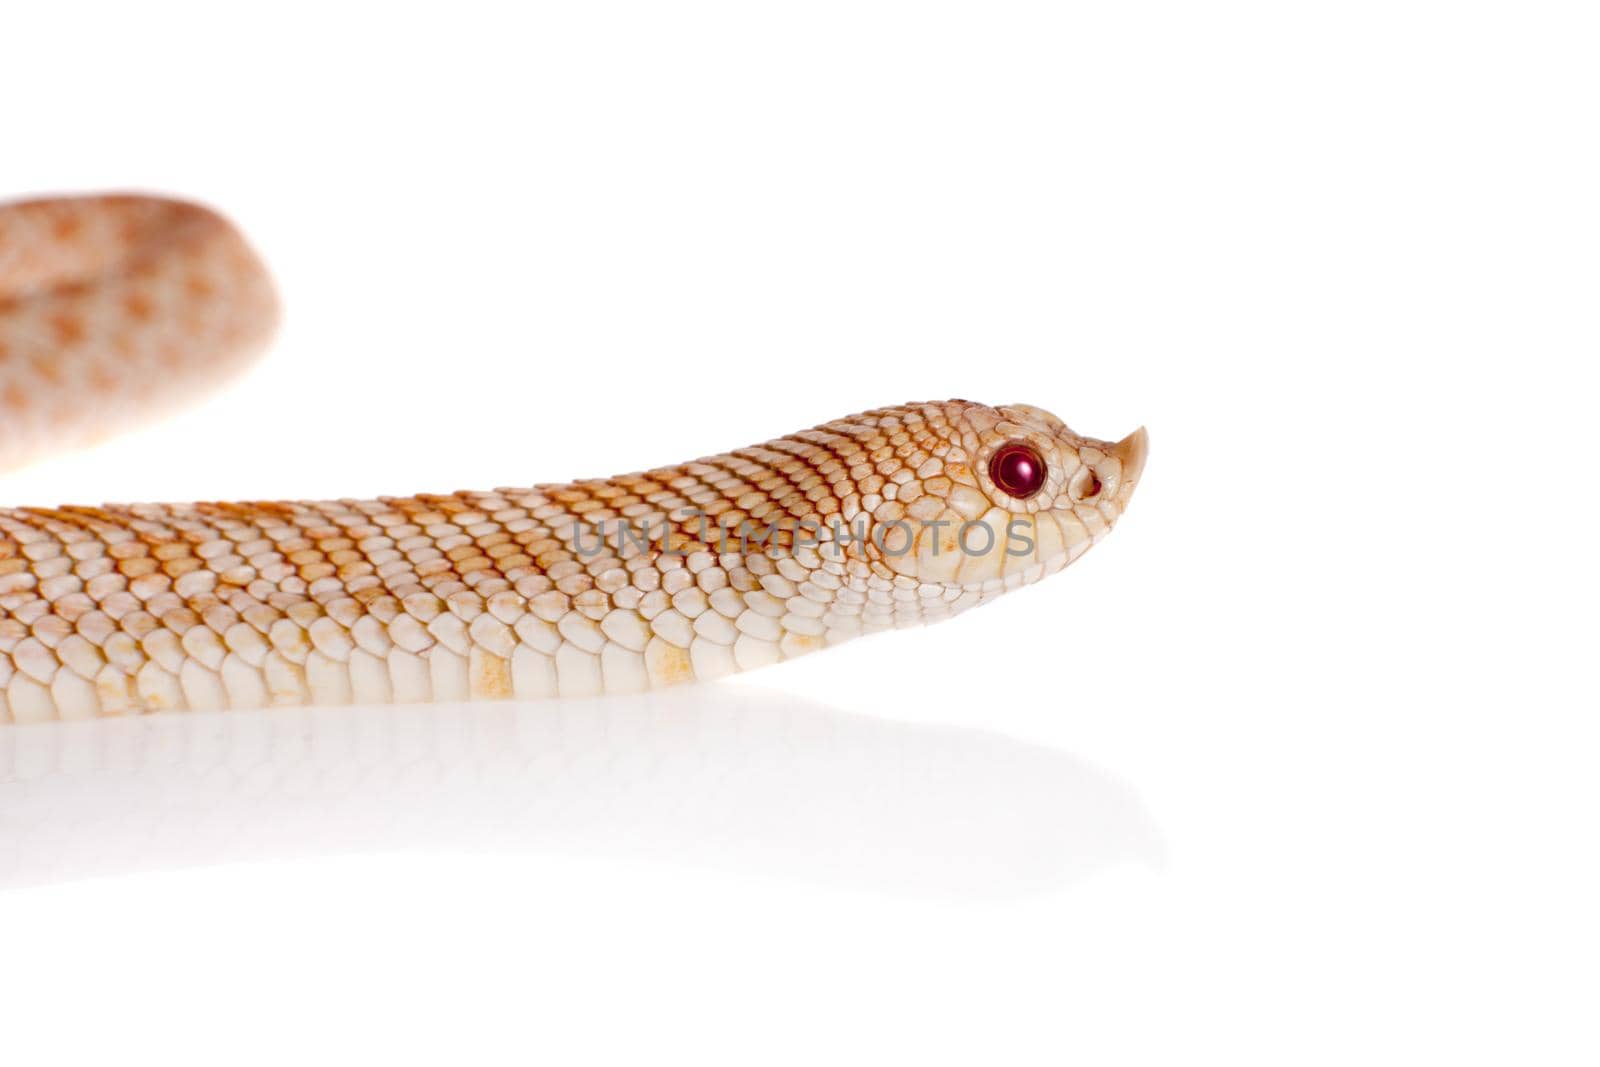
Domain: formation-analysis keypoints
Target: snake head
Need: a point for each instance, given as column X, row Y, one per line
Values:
column 1004, row 496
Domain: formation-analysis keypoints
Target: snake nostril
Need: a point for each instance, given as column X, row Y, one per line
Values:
column 1086, row 486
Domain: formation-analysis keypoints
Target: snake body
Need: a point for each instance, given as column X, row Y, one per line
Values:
column 693, row 571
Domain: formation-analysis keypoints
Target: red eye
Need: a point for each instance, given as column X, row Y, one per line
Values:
column 1017, row 470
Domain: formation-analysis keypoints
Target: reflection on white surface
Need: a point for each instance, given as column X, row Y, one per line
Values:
column 729, row 777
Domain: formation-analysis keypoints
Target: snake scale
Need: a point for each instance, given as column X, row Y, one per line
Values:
column 116, row 307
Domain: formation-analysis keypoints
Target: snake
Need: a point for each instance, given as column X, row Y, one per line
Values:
column 117, row 308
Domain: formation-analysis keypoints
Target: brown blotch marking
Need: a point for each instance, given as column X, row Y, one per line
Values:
column 672, row 664
column 46, row 368
column 103, row 380
column 15, row 398
column 68, row 328
column 67, row 227
column 489, row 675
column 803, row 643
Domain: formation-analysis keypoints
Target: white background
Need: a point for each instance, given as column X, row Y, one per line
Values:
column 1298, row 767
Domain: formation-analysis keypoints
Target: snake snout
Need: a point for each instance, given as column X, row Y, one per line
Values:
column 1131, row 452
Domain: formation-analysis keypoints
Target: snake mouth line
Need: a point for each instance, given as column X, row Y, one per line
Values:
column 894, row 538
